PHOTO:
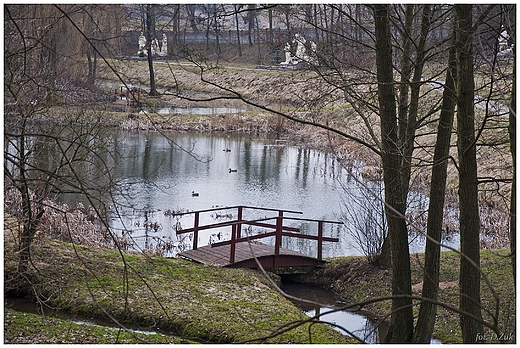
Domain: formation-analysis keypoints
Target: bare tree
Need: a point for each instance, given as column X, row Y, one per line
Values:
column 390, row 129
column 401, row 324
column 237, row 9
column 366, row 217
column 31, row 90
column 192, row 18
column 149, row 12
column 512, row 137
column 468, row 190
column 427, row 313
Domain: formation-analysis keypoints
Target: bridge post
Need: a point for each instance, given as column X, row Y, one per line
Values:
column 196, row 230
column 233, row 244
column 320, row 239
column 278, row 239
column 239, row 218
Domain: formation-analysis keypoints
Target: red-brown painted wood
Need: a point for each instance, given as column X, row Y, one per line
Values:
column 245, row 254
column 245, row 251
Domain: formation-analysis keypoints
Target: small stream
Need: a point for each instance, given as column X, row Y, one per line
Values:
column 28, row 306
column 363, row 325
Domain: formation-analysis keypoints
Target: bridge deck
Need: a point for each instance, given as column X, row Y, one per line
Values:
column 245, row 254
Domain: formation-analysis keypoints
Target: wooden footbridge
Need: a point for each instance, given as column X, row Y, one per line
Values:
column 245, row 251
column 129, row 95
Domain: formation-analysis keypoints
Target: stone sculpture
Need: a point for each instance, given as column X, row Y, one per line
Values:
column 142, row 45
column 504, row 51
column 288, row 58
column 300, row 48
column 301, row 54
column 154, row 47
column 164, row 47
column 502, row 40
column 314, row 53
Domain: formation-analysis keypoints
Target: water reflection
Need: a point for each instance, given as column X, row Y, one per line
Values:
column 348, row 323
column 199, row 110
column 158, row 174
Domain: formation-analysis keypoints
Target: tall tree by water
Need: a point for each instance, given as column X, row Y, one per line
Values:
column 469, row 219
column 401, row 322
column 428, row 309
column 149, row 13
column 38, row 79
column 512, row 137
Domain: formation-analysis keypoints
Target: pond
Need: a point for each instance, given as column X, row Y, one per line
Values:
column 160, row 173
column 199, row 110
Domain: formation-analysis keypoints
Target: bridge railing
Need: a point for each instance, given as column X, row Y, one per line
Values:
column 280, row 230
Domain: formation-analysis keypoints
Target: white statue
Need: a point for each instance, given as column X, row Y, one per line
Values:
column 164, row 47
column 288, row 58
column 154, row 47
column 142, row 45
column 502, row 40
column 314, row 53
column 300, row 52
column 300, row 48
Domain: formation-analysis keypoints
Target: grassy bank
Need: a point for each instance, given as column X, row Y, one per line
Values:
column 201, row 303
column 356, row 280
column 206, row 304
column 27, row 328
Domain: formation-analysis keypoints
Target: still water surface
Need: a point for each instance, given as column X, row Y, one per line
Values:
column 363, row 326
column 161, row 173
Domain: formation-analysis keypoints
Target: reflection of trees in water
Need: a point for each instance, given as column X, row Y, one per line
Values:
column 373, row 332
column 364, row 217
column 310, row 247
column 155, row 176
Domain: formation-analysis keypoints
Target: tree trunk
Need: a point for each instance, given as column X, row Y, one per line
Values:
column 238, row 32
column 150, row 19
column 512, row 137
column 31, row 215
column 427, row 310
column 217, row 32
column 316, row 23
column 190, row 9
column 416, row 83
column 406, row 70
column 401, row 323
column 270, row 16
column 30, row 224
column 358, row 32
column 468, row 186
column 251, row 14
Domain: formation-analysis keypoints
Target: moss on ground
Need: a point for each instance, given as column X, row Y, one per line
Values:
column 357, row 280
column 224, row 305
column 196, row 302
column 27, row 328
